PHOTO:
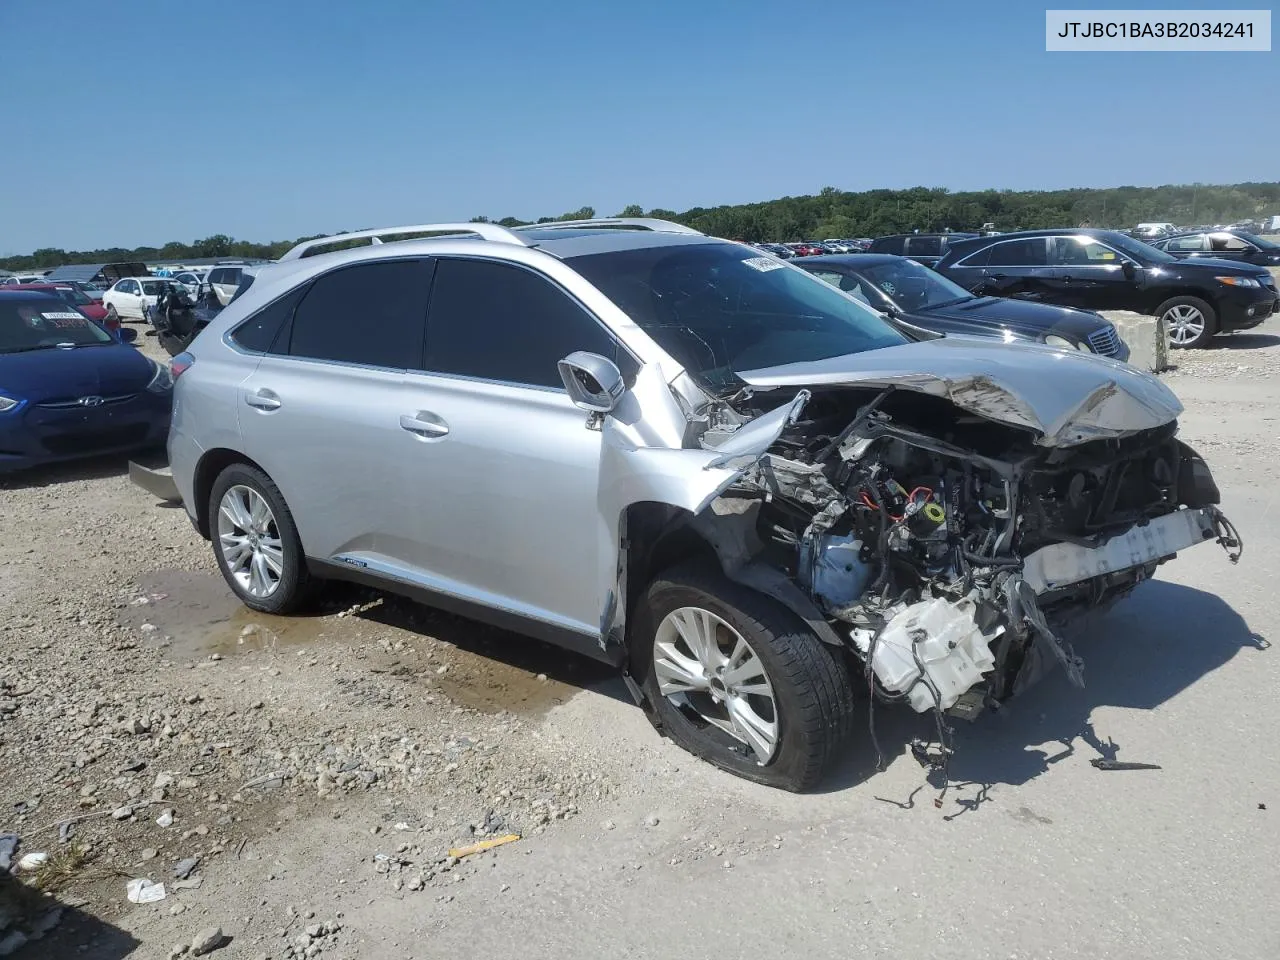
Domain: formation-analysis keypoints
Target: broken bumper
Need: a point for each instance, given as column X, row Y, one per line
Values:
column 1063, row 564
column 158, row 482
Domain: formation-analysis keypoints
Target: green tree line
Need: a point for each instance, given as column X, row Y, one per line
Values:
column 830, row 213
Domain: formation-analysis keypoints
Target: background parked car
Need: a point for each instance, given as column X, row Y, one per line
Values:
column 21, row 279
column 68, row 294
column 1152, row 231
column 926, row 248
column 1106, row 270
column 910, row 291
column 224, row 280
column 192, row 280
column 1223, row 245
column 129, row 298
column 777, row 249
column 69, row 389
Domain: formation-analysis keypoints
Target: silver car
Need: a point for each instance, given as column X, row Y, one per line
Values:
column 741, row 486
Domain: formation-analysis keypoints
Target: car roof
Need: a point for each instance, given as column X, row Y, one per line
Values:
column 38, row 295
column 954, row 233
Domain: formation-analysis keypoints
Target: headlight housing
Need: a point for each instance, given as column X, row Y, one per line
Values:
column 161, row 380
column 1238, row 281
column 7, row 403
column 1062, row 343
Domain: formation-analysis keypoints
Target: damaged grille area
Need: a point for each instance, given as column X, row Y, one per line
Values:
column 948, row 551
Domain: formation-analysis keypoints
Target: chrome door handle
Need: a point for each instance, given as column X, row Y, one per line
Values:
column 263, row 400
column 424, row 425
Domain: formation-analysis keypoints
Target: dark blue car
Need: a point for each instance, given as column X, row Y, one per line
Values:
column 69, row 389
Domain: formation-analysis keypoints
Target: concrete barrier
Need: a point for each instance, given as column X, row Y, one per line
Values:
column 1146, row 336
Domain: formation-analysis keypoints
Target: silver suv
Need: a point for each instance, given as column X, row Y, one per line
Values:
column 744, row 488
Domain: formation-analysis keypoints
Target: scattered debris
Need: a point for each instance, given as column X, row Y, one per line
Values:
column 142, row 890
column 482, row 845
column 1104, row 763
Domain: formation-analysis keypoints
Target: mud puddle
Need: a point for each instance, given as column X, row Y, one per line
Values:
column 194, row 614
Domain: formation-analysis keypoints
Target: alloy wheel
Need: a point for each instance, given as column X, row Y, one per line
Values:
column 705, row 667
column 250, row 541
column 1185, row 323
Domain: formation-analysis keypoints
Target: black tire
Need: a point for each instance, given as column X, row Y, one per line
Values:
column 1206, row 310
column 811, row 684
column 296, row 586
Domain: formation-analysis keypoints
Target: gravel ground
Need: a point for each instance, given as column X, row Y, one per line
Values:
column 297, row 785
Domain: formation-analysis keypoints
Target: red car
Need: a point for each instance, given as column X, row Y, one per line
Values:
column 93, row 309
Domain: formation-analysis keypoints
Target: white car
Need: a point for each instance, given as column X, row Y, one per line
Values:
column 192, row 280
column 129, row 298
column 225, row 280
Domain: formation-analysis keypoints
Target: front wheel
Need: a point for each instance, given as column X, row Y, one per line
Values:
column 1189, row 321
column 737, row 679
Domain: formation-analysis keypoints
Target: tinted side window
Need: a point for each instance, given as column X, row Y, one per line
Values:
column 501, row 322
column 1018, row 253
column 924, row 246
column 368, row 313
column 1186, row 243
column 887, row 245
column 259, row 332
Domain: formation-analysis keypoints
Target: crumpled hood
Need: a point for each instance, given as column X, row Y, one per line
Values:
column 1065, row 396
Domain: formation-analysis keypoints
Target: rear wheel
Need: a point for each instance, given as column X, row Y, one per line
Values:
column 737, row 679
column 255, row 541
column 1189, row 321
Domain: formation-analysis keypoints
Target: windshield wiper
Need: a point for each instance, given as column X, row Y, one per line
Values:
column 947, row 303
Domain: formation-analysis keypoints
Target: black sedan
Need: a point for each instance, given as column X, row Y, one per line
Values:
column 1223, row 245
column 903, row 288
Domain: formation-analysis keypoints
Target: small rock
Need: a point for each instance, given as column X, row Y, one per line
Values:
column 165, row 819
column 206, row 941
column 176, row 909
column 215, row 657
column 651, row 820
column 33, row 861
column 179, row 950
column 182, row 869
column 202, row 830
column 122, row 813
column 608, row 825
column 415, row 883
column 148, row 853
column 542, row 677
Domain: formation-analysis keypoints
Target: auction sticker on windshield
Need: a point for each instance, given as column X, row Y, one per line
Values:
column 763, row 264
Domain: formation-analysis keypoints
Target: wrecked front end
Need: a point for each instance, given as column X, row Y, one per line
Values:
column 949, row 529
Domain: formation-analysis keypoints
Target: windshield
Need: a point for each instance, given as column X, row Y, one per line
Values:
column 721, row 308
column 72, row 295
column 44, row 325
column 1142, row 252
column 913, row 286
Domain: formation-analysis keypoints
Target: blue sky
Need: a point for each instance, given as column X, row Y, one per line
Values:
column 138, row 122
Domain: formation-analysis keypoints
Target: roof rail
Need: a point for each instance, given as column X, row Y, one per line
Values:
column 485, row 231
column 626, row 223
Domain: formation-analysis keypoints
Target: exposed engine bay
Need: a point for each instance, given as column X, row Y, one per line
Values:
column 947, row 550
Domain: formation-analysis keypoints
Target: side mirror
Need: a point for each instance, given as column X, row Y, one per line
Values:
column 1130, row 268
column 594, row 382
column 127, row 334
